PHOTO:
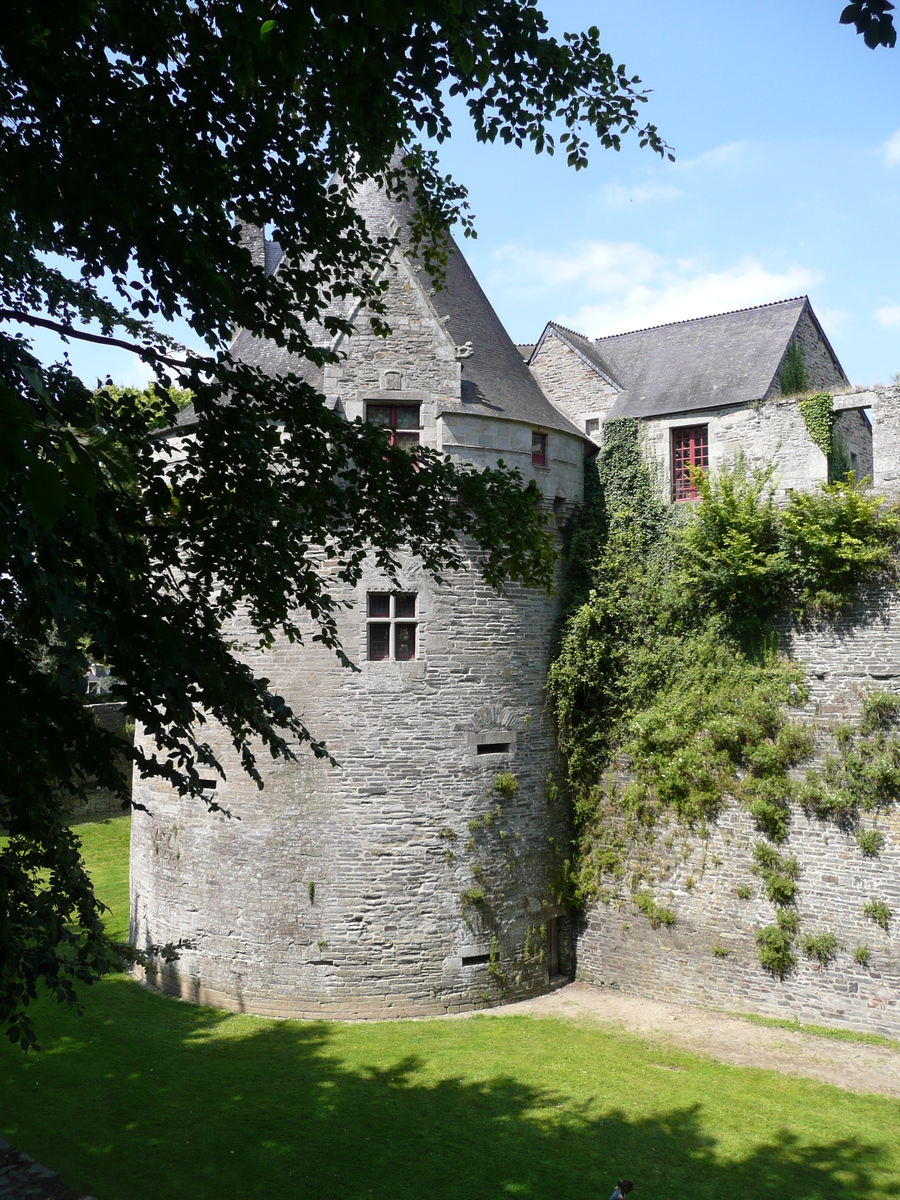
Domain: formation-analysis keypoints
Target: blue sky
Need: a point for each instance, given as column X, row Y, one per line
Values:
column 786, row 130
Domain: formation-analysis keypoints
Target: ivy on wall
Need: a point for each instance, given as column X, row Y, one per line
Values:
column 671, row 697
column 793, row 371
column 818, row 417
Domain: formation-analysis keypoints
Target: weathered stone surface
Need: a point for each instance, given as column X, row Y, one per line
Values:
column 617, row 946
column 353, row 890
column 573, row 383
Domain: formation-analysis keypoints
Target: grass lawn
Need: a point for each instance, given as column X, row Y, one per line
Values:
column 146, row 1097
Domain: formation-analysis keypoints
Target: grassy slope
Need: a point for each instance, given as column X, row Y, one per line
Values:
column 146, row 1097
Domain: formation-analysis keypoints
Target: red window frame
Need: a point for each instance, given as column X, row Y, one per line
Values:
column 396, row 435
column 690, row 448
column 538, row 449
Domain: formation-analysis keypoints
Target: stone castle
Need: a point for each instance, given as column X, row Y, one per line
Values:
column 416, row 877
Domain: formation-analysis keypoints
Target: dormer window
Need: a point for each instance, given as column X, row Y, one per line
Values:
column 690, row 448
column 399, row 421
column 538, row 449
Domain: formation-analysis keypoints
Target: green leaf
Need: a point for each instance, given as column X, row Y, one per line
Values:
column 44, row 492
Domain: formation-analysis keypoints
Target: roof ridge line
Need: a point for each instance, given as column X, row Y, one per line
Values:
column 584, row 337
column 690, row 320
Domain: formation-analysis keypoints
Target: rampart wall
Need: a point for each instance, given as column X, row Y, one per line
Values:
column 710, row 954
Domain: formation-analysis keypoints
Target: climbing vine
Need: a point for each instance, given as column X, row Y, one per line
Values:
column 818, row 417
column 793, row 373
column 671, row 696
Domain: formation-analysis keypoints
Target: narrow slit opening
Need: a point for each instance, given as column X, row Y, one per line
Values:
column 472, row 960
column 492, row 748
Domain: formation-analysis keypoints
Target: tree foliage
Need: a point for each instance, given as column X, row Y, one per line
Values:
column 139, row 140
column 873, row 21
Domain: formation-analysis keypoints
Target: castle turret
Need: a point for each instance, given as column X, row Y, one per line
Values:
column 416, row 876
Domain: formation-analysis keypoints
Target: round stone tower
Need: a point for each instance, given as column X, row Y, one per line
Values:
column 416, row 876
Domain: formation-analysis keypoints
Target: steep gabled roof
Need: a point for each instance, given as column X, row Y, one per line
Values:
column 496, row 381
column 495, row 378
column 730, row 358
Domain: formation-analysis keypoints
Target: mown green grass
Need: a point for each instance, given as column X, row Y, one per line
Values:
column 822, row 1031
column 145, row 1097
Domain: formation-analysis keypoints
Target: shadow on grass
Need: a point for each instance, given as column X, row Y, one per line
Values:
column 151, row 1098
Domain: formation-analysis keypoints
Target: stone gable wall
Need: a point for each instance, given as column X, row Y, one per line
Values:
column 822, row 372
column 574, row 387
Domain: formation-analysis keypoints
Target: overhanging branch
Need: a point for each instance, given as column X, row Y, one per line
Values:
column 147, row 353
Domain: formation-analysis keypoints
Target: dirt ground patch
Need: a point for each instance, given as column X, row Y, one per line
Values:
column 853, row 1065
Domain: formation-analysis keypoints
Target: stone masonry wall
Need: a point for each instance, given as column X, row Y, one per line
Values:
column 342, row 890
column 885, row 407
column 617, row 947
column 572, row 384
column 769, row 433
column 354, row 890
column 853, row 434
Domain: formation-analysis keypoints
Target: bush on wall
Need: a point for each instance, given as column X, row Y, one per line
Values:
column 670, row 693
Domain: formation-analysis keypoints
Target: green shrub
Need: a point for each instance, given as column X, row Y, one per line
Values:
column 870, row 842
column 837, row 539
column 820, row 946
column 655, row 914
column 879, row 710
column 793, row 373
column 743, row 891
column 720, row 951
column 779, row 874
column 775, row 945
column 878, row 911
column 474, row 895
column 505, row 784
column 669, row 667
column 861, row 954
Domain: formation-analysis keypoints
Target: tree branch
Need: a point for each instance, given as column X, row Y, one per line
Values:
column 145, row 352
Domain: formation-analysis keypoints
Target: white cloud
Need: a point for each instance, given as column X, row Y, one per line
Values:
column 834, row 319
column 731, row 154
column 888, row 315
column 601, row 287
column 610, row 266
column 890, row 150
column 615, row 195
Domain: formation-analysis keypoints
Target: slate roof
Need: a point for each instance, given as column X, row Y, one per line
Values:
column 496, row 380
column 730, row 358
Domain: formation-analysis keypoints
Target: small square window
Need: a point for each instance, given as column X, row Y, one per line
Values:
column 390, row 632
column 538, row 449
column 592, row 425
column 405, row 605
column 399, row 421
